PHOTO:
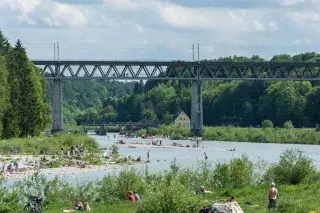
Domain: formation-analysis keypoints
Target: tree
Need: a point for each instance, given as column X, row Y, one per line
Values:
column 168, row 118
column 148, row 114
column 108, row 113
column 138, row 87
column 11, row 123
column 267, row 124
column 4, row 44
column 28, row 113
column 3, row 90
column 288, row 125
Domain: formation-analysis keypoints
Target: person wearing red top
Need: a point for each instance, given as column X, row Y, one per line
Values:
column 131, row 197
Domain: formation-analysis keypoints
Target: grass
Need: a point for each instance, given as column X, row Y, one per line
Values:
column 303, row 198
column 123, row 207
column 46, row 145
column 258, row 135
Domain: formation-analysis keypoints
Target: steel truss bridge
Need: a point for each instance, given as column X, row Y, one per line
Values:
column 142, row 70
column 58, row 71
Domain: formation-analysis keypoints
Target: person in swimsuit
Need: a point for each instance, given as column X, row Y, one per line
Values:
column 273, row 196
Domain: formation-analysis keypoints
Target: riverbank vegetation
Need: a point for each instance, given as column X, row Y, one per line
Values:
column 239, row 134
column 173, row 191
column 44, row 145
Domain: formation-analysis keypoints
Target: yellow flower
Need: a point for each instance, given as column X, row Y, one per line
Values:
column 313, row 212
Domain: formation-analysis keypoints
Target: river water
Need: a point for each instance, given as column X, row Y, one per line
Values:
column 161, row 157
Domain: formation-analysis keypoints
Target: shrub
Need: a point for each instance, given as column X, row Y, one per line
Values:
column 267, row 124
column 114, row 151
column 288, row 125
column 170, row 197
column 293, row 168
column 115, row 188
column 237, row 173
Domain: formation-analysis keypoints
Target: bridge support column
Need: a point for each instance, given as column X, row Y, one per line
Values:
column 196, row 109
column 57, row 115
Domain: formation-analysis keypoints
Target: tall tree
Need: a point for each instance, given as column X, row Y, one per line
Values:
column 4, row 44
column 28, row 112
column 3, row 90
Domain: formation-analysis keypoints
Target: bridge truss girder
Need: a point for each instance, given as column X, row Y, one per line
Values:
column 142, row 70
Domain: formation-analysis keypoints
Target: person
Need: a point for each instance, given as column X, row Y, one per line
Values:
column 273, row 196
column 204, row 191
column 205, row 209
column 148, row 155
column 205, row 156
column 86, row 207
column 78, row 205
column 136, row 196
column 131, row 197
column 232, row 199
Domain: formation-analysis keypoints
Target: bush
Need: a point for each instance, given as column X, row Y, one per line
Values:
column 267, row 124
column 114, row 151
column 293, row 168
column 288, row 125
column 170, row 197
column 236, row 173
column 115, row 188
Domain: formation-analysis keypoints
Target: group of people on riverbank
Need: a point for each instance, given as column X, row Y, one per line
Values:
column 11, row 167
column 75, row 151
column 273, row 196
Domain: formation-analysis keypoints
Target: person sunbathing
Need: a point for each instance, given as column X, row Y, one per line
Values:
column 78, row 205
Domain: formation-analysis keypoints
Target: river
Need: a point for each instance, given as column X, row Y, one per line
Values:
column 161, row 157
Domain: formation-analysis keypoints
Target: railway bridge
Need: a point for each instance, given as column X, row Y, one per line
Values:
column 197, row 72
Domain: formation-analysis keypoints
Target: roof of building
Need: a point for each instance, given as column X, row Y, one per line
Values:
column 178, row 113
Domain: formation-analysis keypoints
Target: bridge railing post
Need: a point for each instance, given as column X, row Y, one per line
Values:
column 57, row 113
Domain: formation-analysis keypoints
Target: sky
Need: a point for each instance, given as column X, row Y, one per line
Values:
column 161, row 29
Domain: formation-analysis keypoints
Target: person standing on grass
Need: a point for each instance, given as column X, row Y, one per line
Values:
column 273, row 196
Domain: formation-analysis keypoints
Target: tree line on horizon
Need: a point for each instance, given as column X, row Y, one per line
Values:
column 24, row 108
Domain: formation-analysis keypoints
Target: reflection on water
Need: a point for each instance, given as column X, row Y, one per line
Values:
column 161, row 157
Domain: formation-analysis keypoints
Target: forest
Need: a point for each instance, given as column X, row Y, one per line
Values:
column 238, row 103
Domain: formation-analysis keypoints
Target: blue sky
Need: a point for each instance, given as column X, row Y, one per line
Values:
column 161, row 29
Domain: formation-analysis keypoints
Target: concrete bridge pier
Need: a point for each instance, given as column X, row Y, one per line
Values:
column 57, row 115
column 196, row 109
